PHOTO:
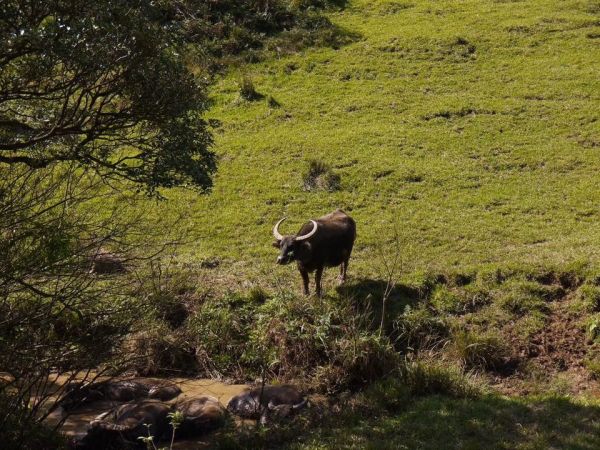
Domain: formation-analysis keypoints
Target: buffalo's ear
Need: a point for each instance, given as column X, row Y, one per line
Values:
column 276, row 244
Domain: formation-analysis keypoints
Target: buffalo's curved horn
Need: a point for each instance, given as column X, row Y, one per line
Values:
column 276, row 232
column 300, row 405
column 116, row 427
column 313, row 231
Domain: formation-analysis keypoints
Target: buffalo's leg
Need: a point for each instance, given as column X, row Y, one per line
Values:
column 305, row 281
column 318, row 275
column 343, row 271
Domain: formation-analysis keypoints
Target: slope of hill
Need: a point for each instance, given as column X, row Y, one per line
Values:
column 466, row 133
column 470, row 126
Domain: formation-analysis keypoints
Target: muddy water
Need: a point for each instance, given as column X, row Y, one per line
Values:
column 77, row 422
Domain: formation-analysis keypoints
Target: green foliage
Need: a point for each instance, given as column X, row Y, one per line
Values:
column 523, row 297
column 56, row 318
column 220, row 332
column 329, row 342
column 447, row 301
column 391, row 394
column 593, row 365
column 593, row 327
column 37, row 436
column 112, row 93
column 588, row 297
column 419, row 329
column 478, row 350
column 221, row 31
column 425, row 377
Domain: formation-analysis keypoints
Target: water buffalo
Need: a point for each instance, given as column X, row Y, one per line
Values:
column 200, row 415
column 324, row 242
column 122, row 426
column 119, row 391
column 264, row 401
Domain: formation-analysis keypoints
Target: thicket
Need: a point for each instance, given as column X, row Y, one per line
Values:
column 229, row 31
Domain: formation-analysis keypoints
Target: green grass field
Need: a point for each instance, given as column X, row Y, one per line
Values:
column 471, row 126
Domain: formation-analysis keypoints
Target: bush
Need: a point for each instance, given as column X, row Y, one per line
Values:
column 593, row 365
column 247, row 89
column 593, row 327
column 320, row 176
column 158, row 351
column 167, row 298
column 391, row 393
column 301, row 337
column 419, row 329
column 425, row 377
column 478, row 351
column 227, row 31
column 36, row 436
column 220, row 332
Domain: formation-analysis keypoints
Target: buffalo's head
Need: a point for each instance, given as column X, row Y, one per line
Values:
column 290, row 246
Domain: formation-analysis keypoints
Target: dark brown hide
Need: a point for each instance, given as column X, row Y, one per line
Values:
column 200, row 415
column 121, row 427
column 120, row 391
column 260, row 402
column 331, row 245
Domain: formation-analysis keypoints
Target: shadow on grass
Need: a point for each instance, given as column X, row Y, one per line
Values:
column 366, row 295
column 436, row 422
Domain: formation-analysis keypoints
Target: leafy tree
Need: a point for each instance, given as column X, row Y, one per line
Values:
column 102, row 84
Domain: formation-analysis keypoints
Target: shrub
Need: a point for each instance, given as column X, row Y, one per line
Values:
column 156, row 351
column 327, row 342
column 320, row 176
column 593, row 327
column 247, row 89
column 391, row 394
column 36, row 436
column 478, row 351
column 425, row 377
column 419, row 329
column 167, row 298
column 220, row 331
column 593, row 365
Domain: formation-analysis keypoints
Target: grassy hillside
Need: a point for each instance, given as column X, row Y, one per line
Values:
column 471, row 125
column 466, row 133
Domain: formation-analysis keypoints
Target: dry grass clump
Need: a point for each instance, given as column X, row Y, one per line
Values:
column 320, row 176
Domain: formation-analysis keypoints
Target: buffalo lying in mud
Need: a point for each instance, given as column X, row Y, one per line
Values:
column 200, row 415
column 324, row 242
column 119, row 391
column 260, row 403
column 122, row 426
